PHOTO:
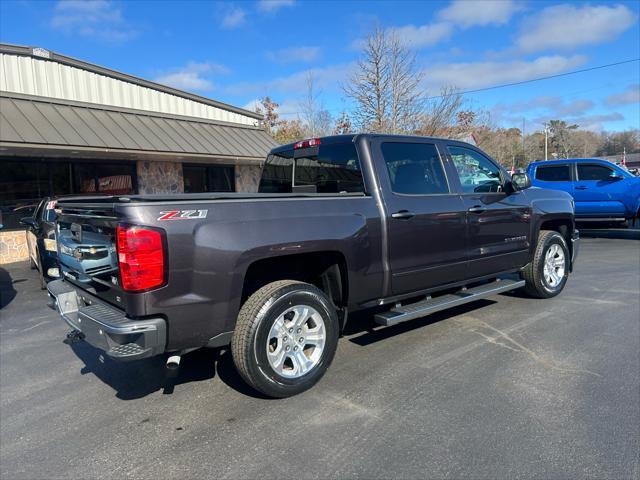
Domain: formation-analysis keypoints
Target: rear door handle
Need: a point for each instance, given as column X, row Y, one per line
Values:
column 403, row 215
column 476, row 209
column 581, row 187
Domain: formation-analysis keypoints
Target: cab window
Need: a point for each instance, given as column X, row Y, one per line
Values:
column 414, row 168
column 593, row 172
column 477, row 173
column 553, row 173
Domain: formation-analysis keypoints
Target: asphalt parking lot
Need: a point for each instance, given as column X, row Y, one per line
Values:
column 508, row 387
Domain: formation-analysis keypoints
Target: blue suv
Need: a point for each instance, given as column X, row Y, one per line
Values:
column 600, row 189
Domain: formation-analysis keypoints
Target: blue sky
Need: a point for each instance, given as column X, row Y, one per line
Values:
column 239, row 51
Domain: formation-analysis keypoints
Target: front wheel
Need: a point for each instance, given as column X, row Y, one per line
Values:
column 547, row 273
column 285, row 338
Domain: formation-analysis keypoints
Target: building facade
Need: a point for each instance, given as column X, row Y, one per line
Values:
column 71, row 127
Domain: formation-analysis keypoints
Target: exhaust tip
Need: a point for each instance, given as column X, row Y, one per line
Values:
column 173, row 362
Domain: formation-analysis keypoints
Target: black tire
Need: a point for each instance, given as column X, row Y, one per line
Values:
column 536, row 284
column 257, row 316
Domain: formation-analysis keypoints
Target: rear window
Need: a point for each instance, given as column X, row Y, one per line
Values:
column 593, row 172
column 277, row 173
column 553, row 173
column 332, row 168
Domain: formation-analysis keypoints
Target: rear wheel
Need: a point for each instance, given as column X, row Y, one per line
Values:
column 547, row 273
column 285, row 338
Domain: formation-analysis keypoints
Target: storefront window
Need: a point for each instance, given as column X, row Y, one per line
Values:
column 61, row 175
column 221, row 179
column 195, row 179
column 84, row 178
column 23, row 183
column 115, row 179
column 209, row 178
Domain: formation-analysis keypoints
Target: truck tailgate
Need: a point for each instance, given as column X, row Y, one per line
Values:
column 86, row 237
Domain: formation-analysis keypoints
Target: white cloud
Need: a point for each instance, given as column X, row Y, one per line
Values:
column 423, row 35
column 234, row 18
column 194, row 76
column 415, row 36
column 294, row 54
column 568, row 26
column 287, row 109
column 480, row 12
column 326, row 79
column 629, row 96
column 553, row 104
column 472, row 75
column 460, row 13
column 253, row 105
column 274, row 5
column 99, row 19
column 589, row 122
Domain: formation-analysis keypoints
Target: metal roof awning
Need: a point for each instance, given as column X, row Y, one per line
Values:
column 31, row 124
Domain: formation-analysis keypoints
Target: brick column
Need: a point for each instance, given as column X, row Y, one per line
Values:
column 13, row 247
column 159, row 177
column 248, row 178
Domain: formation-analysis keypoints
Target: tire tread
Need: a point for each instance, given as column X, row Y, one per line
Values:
column 531, row 273
column 248, row 322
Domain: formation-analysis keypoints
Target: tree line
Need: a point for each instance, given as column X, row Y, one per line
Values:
column 386, row 92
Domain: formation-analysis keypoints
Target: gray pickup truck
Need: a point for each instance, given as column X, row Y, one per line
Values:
column 409, row 225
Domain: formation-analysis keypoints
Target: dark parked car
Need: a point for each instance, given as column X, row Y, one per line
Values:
column 409, row 225
column 41, row 240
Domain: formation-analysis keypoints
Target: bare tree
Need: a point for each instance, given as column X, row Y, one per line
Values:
column 386, row 85
column 315, row 117
column 440, row 113
column 406, row 97
column 309, row 105
column 368, row 85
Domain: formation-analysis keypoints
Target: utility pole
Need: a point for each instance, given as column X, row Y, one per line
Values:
column 546, row 141
column 524, row 150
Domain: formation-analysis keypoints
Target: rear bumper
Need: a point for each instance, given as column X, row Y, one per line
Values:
column 106, row 327
column 575, row 246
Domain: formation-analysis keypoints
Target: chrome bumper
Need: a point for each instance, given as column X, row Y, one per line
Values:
column 106, row 327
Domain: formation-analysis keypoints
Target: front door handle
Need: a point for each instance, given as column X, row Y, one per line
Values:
column 581, row 187
column 403, row 215
column 477, row 209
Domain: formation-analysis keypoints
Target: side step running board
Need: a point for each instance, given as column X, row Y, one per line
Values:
column 432, row 305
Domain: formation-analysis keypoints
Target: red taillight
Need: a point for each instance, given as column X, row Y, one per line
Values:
column 311, row 142
column 141, row 256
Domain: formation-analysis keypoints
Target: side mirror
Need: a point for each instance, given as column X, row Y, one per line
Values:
column 520, row 181
column 615, row 176
column 28, row 221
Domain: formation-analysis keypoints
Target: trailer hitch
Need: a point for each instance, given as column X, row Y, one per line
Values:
column 74, row 336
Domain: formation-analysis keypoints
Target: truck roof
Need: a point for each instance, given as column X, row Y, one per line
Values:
column 568, row 160
column 331, row 139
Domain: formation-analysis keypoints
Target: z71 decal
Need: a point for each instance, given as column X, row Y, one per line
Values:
column 182, row 215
